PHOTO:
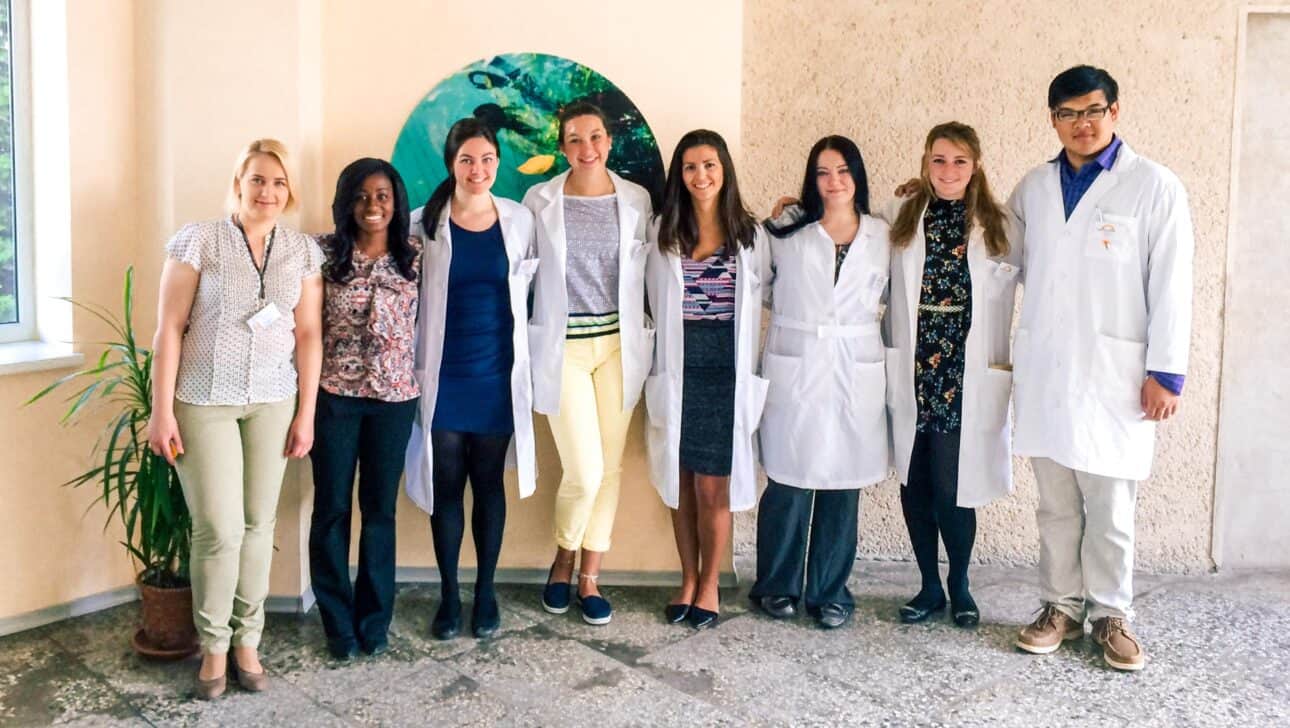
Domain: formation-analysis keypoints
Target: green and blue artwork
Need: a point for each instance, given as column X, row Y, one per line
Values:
column 519, row 95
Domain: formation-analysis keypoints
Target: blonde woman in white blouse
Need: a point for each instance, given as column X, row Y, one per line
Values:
column 234, row 380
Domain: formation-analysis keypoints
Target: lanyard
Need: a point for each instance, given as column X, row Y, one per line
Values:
column 268, row 248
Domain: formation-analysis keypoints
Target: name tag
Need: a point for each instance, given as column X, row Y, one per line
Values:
column 264, row 318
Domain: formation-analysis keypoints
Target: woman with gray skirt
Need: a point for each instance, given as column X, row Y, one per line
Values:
column 703, row 279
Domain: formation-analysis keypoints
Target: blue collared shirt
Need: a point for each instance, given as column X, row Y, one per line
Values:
column 1074, row 185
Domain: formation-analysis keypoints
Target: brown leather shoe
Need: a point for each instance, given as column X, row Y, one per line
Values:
column 256, row 682
column 210, row 689
column 1049, row 630
column 1120, row 647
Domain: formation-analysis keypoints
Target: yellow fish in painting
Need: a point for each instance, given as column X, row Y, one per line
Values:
column 537, row 164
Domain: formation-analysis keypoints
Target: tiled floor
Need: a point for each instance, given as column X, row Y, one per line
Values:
column 1219, row 649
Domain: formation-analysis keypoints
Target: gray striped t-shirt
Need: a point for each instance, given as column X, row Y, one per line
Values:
column 591, row 265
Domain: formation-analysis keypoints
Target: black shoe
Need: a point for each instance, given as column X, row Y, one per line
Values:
column 922, row 606
column 343, row 650
column 778, row 607
column 701, row 618
column 832, row 616
column 376, row 646
column 676, row 613
column 485, row 617
column 447, row 621
column 963, row 610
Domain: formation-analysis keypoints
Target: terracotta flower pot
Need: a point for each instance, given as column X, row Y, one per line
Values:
column 167, row 615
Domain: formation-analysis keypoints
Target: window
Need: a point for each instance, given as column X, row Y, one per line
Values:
column 17, row 316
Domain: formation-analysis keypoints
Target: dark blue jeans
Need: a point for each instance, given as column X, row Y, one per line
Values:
column 368, row 436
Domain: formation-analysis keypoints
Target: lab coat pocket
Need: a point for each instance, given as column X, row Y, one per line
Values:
column 1001, row 276
column 1112, row 238
column 658, row 399
column 781, row 373
column 869, row 384
column 1119, row 369
column 754, row 401
column 524, row 268
column 993, row 396
column 900, row 386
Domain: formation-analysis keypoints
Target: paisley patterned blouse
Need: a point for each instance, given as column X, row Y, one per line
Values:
column 944, row 315
column 368, row 328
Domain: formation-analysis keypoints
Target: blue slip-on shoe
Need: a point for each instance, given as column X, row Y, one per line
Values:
column 596, row 610
column 555, row 597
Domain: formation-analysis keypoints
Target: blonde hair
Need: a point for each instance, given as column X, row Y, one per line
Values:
column 982, row 207
column 267, row 147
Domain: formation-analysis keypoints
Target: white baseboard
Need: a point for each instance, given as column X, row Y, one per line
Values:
column 305, row 602
column 67, row 610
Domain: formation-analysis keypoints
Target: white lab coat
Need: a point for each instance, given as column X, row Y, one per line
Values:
column 985, row 447
column 517, row 232
column 825, row 422
column 1108, row 297
column 665, row 285
column 551, row 294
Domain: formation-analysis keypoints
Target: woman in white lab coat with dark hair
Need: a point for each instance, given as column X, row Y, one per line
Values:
column 704, row 278
column 953, row 281
column 475, row 415
column 591, row 343
column 824, row 430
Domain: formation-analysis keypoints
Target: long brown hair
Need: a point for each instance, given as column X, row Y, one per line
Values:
column 982, row 207
column 678, row 230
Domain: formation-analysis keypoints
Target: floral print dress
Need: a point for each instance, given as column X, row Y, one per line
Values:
column 944, row 316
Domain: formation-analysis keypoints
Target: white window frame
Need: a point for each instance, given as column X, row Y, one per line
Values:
column 25, row 329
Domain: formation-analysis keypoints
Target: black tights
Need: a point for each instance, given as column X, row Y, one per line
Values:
column 928, row 501
column 459, row 456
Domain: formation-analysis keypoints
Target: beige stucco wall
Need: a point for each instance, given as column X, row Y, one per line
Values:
column 883, row 72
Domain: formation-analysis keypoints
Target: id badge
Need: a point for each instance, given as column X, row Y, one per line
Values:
column 264, row 318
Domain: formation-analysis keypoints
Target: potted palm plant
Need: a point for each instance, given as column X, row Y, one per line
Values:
column 138, row 488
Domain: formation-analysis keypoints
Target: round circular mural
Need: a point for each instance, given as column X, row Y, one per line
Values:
column 518, row 95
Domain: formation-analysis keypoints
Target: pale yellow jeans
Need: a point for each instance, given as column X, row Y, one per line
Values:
column 231, row 472
column 590, row 433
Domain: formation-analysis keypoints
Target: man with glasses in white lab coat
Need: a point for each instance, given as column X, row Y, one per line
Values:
column 1099, row 356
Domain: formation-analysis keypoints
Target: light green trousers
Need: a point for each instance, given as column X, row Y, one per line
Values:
column 231, row 472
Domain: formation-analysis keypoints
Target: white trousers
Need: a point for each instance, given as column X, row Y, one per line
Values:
column 1085, row 541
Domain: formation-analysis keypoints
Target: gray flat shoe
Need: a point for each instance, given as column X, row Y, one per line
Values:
column 210, row 689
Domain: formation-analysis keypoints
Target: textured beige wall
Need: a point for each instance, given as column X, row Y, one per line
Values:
column 883, row 72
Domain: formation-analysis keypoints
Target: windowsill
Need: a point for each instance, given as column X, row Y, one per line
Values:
column 33, row 356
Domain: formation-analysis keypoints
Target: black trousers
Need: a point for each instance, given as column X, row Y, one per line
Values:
column 370, row 436
column 481, row 459
column 806, row 533
column 929, row 503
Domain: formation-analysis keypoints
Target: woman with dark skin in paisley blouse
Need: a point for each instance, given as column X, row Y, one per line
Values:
column 366, row 403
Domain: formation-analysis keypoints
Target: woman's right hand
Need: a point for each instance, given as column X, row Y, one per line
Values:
column 782, row 203
column 163, row 436
column 909, row 187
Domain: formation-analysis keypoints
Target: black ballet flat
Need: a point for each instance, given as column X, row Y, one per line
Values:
column 701, row 618
column 964, row 611
column 447, row 621
column 676, row 613
column 919, row 609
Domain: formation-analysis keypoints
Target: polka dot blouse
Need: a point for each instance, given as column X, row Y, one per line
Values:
column 223, row 361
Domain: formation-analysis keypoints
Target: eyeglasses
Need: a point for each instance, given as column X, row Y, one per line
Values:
column 1093, row 113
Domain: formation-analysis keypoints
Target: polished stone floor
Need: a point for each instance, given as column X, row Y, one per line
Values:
column 1218, row 646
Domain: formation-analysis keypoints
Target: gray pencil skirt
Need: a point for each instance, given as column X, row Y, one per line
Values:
column 708, row 397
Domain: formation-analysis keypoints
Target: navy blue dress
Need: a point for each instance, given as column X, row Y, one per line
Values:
column 475, row 374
